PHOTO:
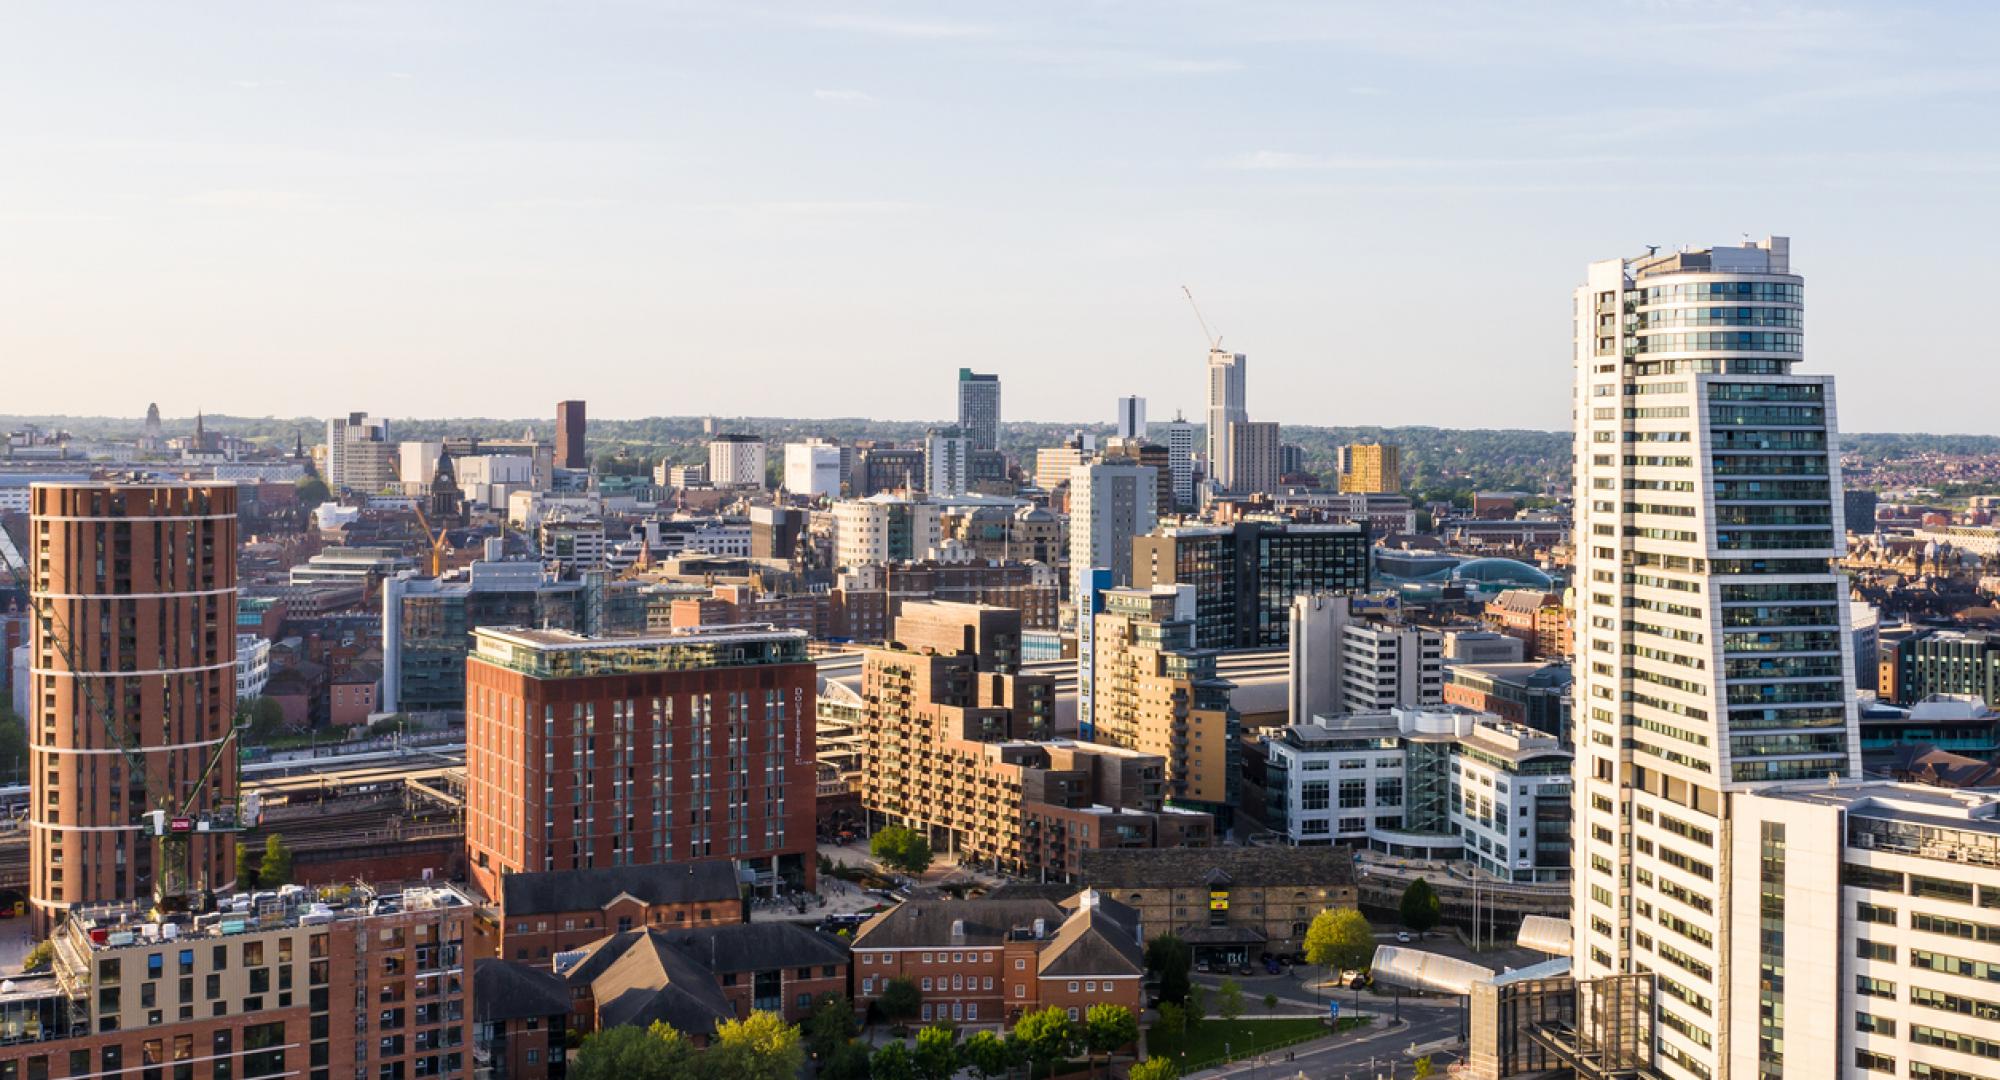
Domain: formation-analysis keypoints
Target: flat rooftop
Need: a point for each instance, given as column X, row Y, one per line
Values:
column 116, row 926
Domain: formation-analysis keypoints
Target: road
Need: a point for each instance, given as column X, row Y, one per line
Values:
column 1382, row 1050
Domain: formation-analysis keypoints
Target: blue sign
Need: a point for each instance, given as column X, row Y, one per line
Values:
column 1333, row 1011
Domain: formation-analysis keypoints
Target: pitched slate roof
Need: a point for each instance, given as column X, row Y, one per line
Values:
column 1115, row 870
column 917, row 923
column 507, row 990
column 1100, row 937
column 549, row 892
column 640, row 976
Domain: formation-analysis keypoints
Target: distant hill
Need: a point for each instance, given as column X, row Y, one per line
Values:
column 1437, row 462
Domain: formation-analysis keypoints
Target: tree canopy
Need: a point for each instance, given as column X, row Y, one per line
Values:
column 1341, row 938
column 1421, row 909
column 760, row 1047
column 900, row 1000
column 901, row 849
column 1046, row 1035
column 937, row 1052
column 1169, row 959
column 1154, row 1069
column 635, row 1053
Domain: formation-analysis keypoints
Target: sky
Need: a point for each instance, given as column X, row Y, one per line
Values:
column 729, row 208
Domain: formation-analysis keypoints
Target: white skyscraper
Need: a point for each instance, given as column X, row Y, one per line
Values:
column 947, row 461
column 1131, row 418
column 812, row 469
column 1225, row 407
column 736, row 461
column 1712, row 649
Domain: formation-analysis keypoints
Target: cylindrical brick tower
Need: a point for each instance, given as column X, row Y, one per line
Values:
column 135, row 631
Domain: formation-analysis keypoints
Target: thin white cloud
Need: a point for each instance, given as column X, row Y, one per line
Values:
column 1127, row 62
column 889, row 26
column 1289, row 161
column 845, row 97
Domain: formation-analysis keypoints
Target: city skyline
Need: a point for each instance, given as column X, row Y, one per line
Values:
column 790, row 195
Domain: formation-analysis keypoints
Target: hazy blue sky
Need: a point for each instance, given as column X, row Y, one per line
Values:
column 672, row 208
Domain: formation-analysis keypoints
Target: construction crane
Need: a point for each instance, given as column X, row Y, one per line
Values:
column 1214, row 341
column 172, row 825
column 438, row 542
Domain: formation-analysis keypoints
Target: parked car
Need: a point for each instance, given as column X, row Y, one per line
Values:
column 1403, row 936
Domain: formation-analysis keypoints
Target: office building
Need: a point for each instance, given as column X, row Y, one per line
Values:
column 1178, row 435
column 736, row 461
column 1714, row 621
column 1862, row 917
column 1245, row 575
column 1957, row 662
column 947, row 461
column 427, row 624
column 1441, row 783
column 584, row 752
column 1053, row 464
column 571, row 545
column 879, row 469
column 1255, row 458
column 957, row 744
column 1008, row 534
column 885, row 528
column 1356, row 655
column 1132, row 418
column 417, row 465
column 1110, row 504
column 979, row 408
column 570, row 430
column 134, row 650
column 1533, row 694
column 994, row 960
column 359, row 455
column 1158, row 694
column 1151, row 455
column 1371, row 468
column 340, row 981
column 812, row 469
column 1226, row 405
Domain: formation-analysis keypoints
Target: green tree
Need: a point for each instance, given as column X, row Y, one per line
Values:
column 1158, row 1068
column 849, row 1062
column 1108, row 1028
column 1046, row 1036
column 1196, row 1007
column 892, row 1061
column 1271, row 1002
column 759, row 1047
column 312, row 492
column 1229, row 999
column 829, row 1026
column 1169, row 959
column 276, row 867
column 900, row 1001
column 937, row 1052
column 1340, row 938
column 248, row 861
column 1172, row 1023
column 634, row 1053
column 901, row 849
column 1421, row 909
column 1422, row 1067
column 989, row 1055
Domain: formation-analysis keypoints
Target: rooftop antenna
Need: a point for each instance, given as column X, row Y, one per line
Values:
column 1652, row 249
column 1214, row 342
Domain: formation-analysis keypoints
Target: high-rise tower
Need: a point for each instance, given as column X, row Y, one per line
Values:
column 571, row 428
column 1713, row 653
column 135, row 633
column 1225, row 407
column 979, row 408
